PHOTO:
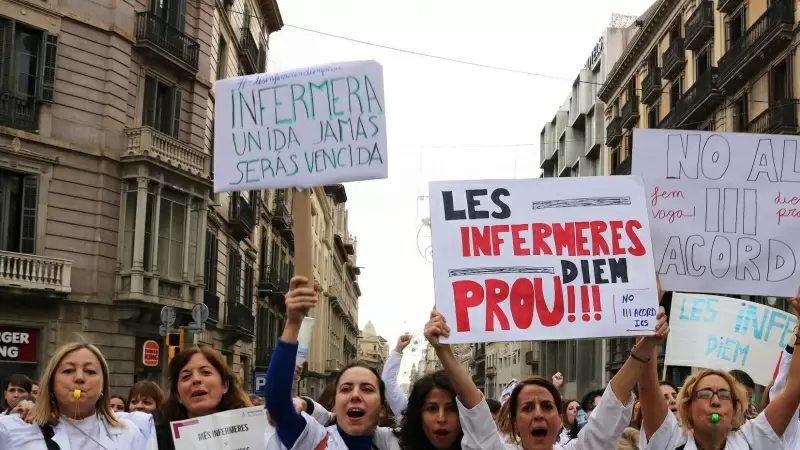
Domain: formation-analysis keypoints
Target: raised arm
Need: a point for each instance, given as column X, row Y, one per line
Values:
column 391, row 369
column 782, row 408
column 280, row 375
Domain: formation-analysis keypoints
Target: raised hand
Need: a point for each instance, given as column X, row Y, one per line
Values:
column 436, row 328
column 402, row 342
column 299, row 299
column 558, row 379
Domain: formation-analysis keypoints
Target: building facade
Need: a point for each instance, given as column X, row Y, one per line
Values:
column 573, row 144
column 506, row 361
column 724, row 65
column 373, row 349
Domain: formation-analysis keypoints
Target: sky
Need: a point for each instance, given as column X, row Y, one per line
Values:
column 445, row 120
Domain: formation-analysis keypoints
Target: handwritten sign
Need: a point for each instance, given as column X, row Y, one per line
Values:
column 234, row 429
column 726, row 333
column 724, row 210
column 518, row 260
column 302, row 128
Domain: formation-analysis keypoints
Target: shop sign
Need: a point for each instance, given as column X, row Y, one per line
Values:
column 595, row 56
column 150, row 353
column 18, row 344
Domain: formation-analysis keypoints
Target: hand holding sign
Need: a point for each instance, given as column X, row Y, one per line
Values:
column 299, row 300
column 436, row 328
column 648, row 343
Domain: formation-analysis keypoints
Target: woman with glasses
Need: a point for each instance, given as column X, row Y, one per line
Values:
column 711, row 409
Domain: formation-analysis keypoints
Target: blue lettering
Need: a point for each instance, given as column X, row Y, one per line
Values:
column 700, row 309
column 728, row 349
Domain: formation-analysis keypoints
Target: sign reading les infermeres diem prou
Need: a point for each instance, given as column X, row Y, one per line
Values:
column 724, row 209
column 542, row 259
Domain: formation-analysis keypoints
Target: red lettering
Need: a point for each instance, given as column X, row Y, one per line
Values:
column 465, row 242
column 481, row 241
column 521, row 303
column 658, row 194
column 616, row 236
column 496, row 292
column 497, row 239
column 518, row 240
column 784, row 213
column 599, row 245
column 549, row 317
column 581, row 239
column 541, row 232
column 784, row 200
column 564, row 238
column 466, row 294
column 636, row 248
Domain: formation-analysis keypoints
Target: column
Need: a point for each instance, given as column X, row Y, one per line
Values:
column 187, row 234
column 202, row 223
column 137, row 268
column 154, row 236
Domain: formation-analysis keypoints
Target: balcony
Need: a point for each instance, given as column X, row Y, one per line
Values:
column 249, row 54
column 268, row 282
column 532, row 357
column 337, row 191
column 491, row 372
column 239, row 318
column 673, row 60
column 19, row 113
column 667, row 122
column 623, row 168
column 242, row 217
column 698, row 102
column 338, row 242
column 699, row 27
column 279, row 286
column 332, row 366
column 728, row 6
column 146, row 142
column 335, row 297
column 350, row 246
column 630, row 112
column 34, row 274
column 212, row 301
column 779, row 118
column 281, row 217
column 159, row 37
column 651, row 86
column 614, row 132
column 768, row 36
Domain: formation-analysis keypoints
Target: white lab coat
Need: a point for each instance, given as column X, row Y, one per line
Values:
column 17, row 435
column 394, row 393
column 791, row 437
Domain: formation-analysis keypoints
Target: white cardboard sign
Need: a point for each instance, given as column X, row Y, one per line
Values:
column 724, row 210
column 301, row 128
column 234, row 429
column 541, row 259
column 726, row 333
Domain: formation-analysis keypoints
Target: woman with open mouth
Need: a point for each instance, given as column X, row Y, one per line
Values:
column 74, row 409
column 712, row 406
column 535, row 404
column 201, row 383
column 359, row 403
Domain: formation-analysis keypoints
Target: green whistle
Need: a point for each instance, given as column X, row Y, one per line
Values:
column 714, row 418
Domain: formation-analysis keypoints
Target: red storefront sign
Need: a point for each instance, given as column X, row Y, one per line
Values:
column 18, row 344
column 150, row 353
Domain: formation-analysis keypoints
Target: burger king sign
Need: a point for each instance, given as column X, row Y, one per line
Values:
column 151, row 353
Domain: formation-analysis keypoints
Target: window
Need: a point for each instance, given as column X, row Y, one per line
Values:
column 652, row 60
column 234, row 276
column 249, row 276
column 18, row 201
column 779, row 89
column 27, row 73
column 210, row 269
column 675, row 29
column 262, row 255
column 614, row 157
column 129, row 240
column 740, row 113
column 652, row 115
column 171, row 11
column 222, row 58
column 702, row 62
column 162, row 106
column 736, row 28
column 675, row 92
column 171, row 232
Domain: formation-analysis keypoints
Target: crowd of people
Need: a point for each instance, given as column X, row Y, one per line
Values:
column 72, row 406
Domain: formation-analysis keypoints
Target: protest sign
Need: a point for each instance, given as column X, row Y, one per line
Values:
column 302, row 128
column 234, row 429
column 520, row 260
column 726, row 333
column 724, row 209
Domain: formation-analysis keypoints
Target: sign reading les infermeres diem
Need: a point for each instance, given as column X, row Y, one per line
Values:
column 543, row 259
column 724, row 209
column 301, row 128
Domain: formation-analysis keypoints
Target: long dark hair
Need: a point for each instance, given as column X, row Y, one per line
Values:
column 513, row 400
column 410, row 434
column 235, row 398
column 381, row 387
column 587, row 405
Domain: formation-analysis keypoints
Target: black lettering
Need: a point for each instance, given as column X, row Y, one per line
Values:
column 505, row 210
column 569, row 271
column 450, row 211
column 599, row 268
column 473, row 201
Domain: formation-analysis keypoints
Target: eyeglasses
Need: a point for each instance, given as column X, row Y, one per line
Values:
column 708, row 394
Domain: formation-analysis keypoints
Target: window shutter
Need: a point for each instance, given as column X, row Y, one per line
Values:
column 30, row 201
column 248, row 288
column 6, row 54
column 48, row 79
column 262, row 59
column 176, row 112
column 149, row 107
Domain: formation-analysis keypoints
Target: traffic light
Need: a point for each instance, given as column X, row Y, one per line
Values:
column 174, row 344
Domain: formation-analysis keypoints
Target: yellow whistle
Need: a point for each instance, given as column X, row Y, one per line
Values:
column 77, row 394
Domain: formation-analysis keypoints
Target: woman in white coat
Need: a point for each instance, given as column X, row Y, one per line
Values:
column 73, row 409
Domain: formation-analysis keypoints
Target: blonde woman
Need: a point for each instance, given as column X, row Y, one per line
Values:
column 73, row 410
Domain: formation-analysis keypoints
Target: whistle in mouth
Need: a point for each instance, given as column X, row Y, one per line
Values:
column 77, row 394
column 714, row 418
